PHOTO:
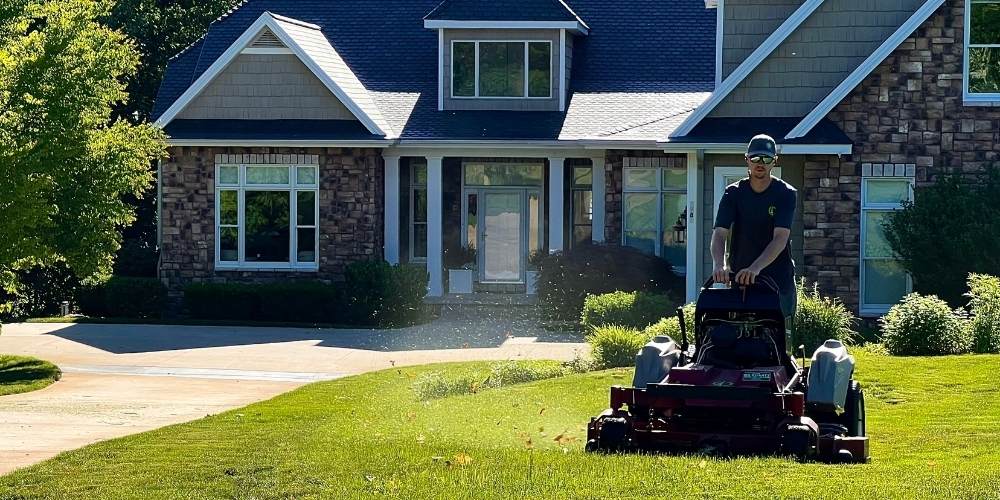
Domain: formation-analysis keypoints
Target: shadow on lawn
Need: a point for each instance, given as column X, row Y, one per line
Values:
column 449, row 333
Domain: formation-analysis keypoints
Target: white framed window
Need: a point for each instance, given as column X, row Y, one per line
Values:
column 883, row 280
column 501, row 69
column 654, row 206
column 981, row 75
column 418, row 211
column 267, row 216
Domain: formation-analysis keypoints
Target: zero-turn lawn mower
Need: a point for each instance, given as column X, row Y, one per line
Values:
column 739, row 391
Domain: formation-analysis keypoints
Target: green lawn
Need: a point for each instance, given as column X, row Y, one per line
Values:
column 934, row 425
column 25, row 374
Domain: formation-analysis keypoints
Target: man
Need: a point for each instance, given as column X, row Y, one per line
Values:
column 757, row 212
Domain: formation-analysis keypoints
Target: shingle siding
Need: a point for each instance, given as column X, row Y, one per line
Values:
column 266, row 87
column 816, row 57
column 746, row 24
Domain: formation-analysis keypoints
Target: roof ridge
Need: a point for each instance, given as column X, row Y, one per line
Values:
column 633, row 126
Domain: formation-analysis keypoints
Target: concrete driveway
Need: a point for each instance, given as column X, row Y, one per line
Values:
column 124, row 379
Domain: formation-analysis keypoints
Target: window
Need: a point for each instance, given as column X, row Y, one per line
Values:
column 655, row 208
column 582, row 205
column 982, row 50
column 267, row 216
column 501, row 69
column 418, row 211
column 883, row 280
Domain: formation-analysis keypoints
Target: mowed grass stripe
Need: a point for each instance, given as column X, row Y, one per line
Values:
column 934, row 425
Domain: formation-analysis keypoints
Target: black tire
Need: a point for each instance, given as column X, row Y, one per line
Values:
column 854, row 411
column 796, row 442
column 613, row 435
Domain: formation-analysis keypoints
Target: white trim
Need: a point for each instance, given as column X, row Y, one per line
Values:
column 557, row 205
column 694, row 202
column 441, row 69
column 435, row 227
column 875, row 309
column 854, row 79
column 266, row 50
column 719, row 39
column 747, row 66
column 278, row 143
column 562, row 70
column 527, row 65
column 566, row 25
column 271, row 21
column 391, row 211
column 969, row 99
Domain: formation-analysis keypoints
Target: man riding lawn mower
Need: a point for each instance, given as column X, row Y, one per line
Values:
column 740, row 391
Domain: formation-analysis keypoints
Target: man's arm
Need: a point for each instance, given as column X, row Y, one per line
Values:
column 773, row 249
column 720, row 274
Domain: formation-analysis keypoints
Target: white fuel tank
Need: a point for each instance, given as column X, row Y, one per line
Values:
column 830, row 374
column 655, row 360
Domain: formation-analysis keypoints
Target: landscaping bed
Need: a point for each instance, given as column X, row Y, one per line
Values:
column 932, row 422
column 25, row 374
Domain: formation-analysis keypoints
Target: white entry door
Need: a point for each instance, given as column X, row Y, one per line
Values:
column 502, row 236
column 725, row 176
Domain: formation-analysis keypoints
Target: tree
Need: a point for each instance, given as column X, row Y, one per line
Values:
column 951, row 229
column 65, row 164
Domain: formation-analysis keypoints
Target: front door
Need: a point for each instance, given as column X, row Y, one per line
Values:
column 502, row 236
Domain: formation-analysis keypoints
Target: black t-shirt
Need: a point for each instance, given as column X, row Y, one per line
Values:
column 752, row 217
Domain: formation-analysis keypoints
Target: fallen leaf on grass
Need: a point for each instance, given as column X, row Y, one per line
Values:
column 564, row 439
column 541, row 411
column 702, row 464
column 463, row 459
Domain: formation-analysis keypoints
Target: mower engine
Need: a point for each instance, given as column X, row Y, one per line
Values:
column 738, row 390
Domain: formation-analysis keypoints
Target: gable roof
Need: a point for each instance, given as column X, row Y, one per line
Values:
column 620, row 77
column 863, row 70
column 307, row 42
column 503, row 10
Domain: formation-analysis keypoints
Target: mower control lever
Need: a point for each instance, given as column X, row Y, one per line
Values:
column 766, row 281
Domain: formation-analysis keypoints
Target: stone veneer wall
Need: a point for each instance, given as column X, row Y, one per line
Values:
column 350, row 212
column 907, row 113
column 614, row 162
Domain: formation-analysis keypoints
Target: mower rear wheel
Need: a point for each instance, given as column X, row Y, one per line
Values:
column 796, row 441
column 854, row 410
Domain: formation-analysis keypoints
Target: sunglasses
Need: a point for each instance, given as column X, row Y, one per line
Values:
column 766, row 160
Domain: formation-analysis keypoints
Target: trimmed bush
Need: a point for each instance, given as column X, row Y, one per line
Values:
column 615, row 346
column 670, row 327
column 984, row 294
column 124, row 297
column 632, row 309
column 294, row 301
column 41, row 289
column 924, row 326
column 566, row 278
column 379, row 294
column 818, row 319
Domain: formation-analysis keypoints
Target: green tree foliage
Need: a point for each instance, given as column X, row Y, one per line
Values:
column 64, row 163
column 950, row 230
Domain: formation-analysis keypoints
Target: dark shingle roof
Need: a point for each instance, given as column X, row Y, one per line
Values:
column 293, row 130
column 632, row 73
column 741, row 130
column 502, row 10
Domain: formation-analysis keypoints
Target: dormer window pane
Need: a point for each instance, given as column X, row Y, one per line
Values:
column 464, row 75
column 501, row 69
column 539, row 69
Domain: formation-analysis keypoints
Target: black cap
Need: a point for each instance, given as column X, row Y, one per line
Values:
column 762, row 144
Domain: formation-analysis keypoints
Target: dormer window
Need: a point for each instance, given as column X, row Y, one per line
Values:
column 501, row 69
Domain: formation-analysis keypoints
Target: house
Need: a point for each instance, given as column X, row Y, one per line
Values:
column 308, row 134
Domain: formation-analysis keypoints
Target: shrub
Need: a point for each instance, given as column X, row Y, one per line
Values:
column 984, row 293
column 670, row 327
column 124, row 297
column 818, row 319
column 633, row 309
column 951, row 229
column 566, row 278
column 41, row 289
column 614, row 346
column 924, row 326
column 379, row 294
column 294, row 301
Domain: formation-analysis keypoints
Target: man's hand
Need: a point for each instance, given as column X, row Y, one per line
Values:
column 721, row 275
column 747, row 276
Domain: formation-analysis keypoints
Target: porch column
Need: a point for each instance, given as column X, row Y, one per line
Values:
column 695, row 161
column 391, row 226
column 597, row 187
column 435, row 227
column 556, row 204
